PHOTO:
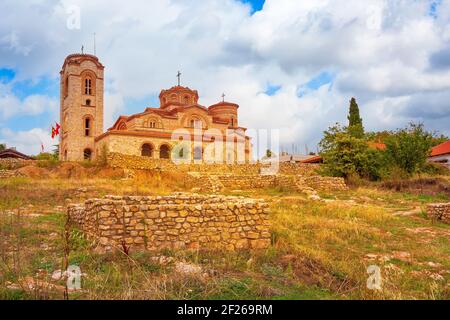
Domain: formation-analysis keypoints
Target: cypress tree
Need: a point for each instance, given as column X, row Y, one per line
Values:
column 355, row 125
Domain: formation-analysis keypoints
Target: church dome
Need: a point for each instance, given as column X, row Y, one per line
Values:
column 178, row 96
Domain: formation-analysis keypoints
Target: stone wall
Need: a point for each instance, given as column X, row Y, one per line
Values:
column 324, row 183
column 143, row 163
column 439, row 212
column 5, row 174
column 177, row 221
column 217, row 183
column 11, row 163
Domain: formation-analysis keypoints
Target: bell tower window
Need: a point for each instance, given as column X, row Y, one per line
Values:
column 66, row 87
column 87, row 126
column 88, row 86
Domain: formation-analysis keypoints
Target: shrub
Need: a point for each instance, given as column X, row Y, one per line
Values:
column 409, row 148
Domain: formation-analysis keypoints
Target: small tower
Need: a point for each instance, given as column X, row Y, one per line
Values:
column 81, row 106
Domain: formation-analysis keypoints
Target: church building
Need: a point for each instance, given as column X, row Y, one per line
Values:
column 179, row 129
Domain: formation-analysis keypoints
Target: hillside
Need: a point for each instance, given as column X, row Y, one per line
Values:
column 321, row 246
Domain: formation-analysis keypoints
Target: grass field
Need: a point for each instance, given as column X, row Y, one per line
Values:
column 320, row 249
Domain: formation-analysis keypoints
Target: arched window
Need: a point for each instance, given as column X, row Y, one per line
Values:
column 186, row 99
column 122, row 126
column 198, row 153
column 88, row 102
column 147, row 150
column 88, row 124
column 88, row 86
column 164, row 152
column 66, row 86
column 87, row 154
column 196, row 123
column 65, row 155
column 232, row 122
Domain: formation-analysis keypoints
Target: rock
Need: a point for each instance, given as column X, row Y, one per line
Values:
column 188, row 268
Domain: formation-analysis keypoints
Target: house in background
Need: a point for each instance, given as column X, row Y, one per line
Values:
column 300, row 158
column 441, row 154
column 12, row 153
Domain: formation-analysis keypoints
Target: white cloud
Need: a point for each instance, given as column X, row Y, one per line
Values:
column 381, row 52
column 28, row 142
column 11, row 105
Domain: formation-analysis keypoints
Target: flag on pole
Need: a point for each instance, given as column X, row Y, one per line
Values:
column 42, row 147
column 57, row 128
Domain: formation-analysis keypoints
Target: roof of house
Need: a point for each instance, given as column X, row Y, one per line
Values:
column 314, row 159
column 300, row 158
column 293, row 157
column 376, row 145
column 12, row 153
column 443, row 148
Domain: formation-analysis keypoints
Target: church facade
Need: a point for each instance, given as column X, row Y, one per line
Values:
column 179, row 129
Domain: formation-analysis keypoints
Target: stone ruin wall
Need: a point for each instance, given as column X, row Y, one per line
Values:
column 216, row 177
column 177, row 221
column 217, row 183
column 142, row 163
column 439, row 212
column 12, row 163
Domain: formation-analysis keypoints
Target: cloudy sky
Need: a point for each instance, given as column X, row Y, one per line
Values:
column 291, row 65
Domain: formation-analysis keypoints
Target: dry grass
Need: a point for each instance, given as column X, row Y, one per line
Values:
column 319, row 248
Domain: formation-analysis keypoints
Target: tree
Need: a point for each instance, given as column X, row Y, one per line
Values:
column 2, row 146
column 409, row 148
column 56, row 151
column 344, row 155
column 355, row 125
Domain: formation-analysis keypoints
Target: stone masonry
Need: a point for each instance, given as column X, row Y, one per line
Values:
column 177, row 221
column 118, row 160
column 439, row 212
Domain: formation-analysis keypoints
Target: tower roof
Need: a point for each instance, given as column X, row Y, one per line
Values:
column 178, row 89
column 78, row 58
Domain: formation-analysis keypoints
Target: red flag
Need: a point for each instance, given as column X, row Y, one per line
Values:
column 57, row 128
column 53, row 133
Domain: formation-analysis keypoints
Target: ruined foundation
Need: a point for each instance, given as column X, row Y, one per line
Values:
column 177, row 221
column 439, row 212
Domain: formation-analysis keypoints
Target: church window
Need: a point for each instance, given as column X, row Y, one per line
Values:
column 66, row 86
column 122, row 126
column 87, row 126
column 196, row 123
column 87, row 154
column 186, row 100
column 147, row 150
column 88, row 102
column 198, row 153
column 88, row 86
column 164, row 152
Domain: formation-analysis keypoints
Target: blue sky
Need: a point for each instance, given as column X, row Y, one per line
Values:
column 292, row 66
column 257, row 5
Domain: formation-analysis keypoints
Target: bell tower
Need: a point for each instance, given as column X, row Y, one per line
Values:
column 81, row 106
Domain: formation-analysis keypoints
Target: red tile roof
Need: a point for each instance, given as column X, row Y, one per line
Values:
column 315, row 159
column 377, row 145
column 441, row 149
